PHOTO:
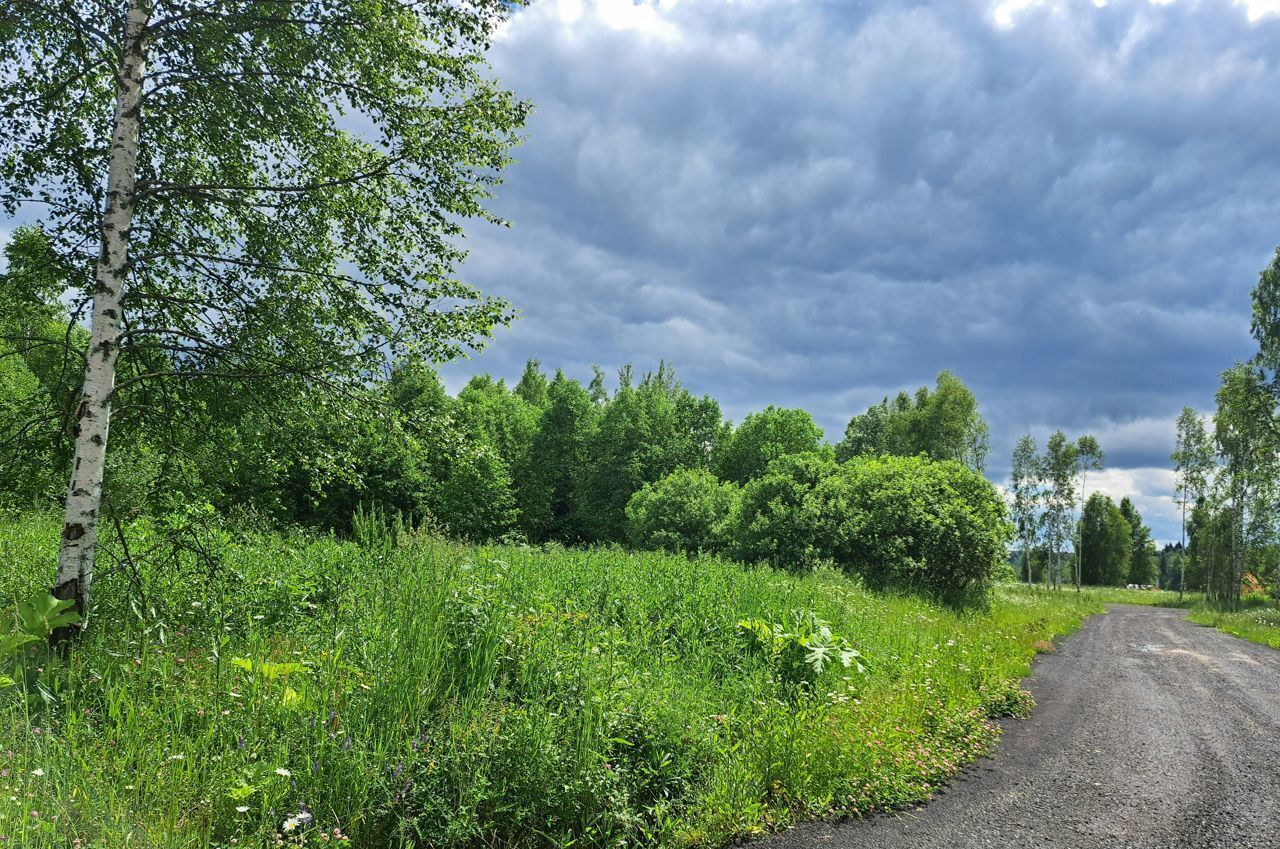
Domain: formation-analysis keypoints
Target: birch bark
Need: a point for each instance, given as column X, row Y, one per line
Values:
column 93, row 416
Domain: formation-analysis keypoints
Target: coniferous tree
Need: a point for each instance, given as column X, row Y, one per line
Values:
column 1142, row 551
column 1105, row 540
column 1089, row 457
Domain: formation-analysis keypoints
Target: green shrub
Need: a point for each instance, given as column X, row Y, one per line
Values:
column 685, row 511
column 776, row 521
column 912, row 523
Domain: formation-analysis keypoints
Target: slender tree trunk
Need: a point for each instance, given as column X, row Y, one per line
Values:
column 93, row 416
column 1237, row 552
column 1182, row 555
column 1080, row 533
column 1209, row 593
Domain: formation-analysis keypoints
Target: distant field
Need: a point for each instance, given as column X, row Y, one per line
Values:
column 423, row 693
column 1157, row 598
column 1259, row 621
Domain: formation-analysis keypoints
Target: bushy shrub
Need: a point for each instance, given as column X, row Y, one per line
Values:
column 685, row 511
column 777, row 522
column 916, row 524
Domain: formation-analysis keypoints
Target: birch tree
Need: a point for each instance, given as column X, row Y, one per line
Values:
column 1025, row 483
column 1060, row 471
column 1193, row 463
column 1244, row 429
column 249, row 190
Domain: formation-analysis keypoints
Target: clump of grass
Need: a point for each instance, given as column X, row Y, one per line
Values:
column 1255, row 623
column 285, row 690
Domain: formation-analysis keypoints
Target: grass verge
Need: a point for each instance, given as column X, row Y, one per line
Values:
column 267, row 690
column 1258, row 621
column 1256, row 624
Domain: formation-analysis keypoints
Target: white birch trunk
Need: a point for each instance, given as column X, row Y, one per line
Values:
column 93, row 416
column 1182, row 555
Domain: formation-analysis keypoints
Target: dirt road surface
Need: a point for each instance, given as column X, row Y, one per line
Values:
column 1150, row 732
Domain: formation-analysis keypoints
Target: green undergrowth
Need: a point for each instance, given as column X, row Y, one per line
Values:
column 243, row 689
column 1254, row 623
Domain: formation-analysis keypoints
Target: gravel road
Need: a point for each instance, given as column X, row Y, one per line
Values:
column 1150, row 732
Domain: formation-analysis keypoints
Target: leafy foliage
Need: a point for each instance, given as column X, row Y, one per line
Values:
column 800, row 651
column 943, row 424
column 687, row 511
column 764, row 437
column 778, row 521
column 940, row 528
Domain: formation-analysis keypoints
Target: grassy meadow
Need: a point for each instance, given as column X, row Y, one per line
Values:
column 248, row 689
column 1254, row 622
column 1153, row 598
column 1258, row 620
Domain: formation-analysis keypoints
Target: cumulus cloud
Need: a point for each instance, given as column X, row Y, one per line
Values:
column 815, row 203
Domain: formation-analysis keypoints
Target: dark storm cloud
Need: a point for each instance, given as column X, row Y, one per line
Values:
column 818, row 203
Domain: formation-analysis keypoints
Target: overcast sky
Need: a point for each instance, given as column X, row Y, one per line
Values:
column 813, row 204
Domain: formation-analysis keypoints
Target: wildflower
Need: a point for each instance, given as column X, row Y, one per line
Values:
column 281, row 771
column 242, row 809
column 38, row 773
column 290, row 824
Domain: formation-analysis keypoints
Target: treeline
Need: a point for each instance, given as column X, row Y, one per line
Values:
column 638, row 460
column 1227, row 470
column 1061, row 527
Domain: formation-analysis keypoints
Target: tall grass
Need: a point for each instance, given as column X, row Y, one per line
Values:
column 1258, row 621
column 412, row 692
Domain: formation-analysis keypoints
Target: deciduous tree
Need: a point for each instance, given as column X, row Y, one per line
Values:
column 1025, row 489
column 197, row 165
column 1193, row 465
column 764, row 437
column 1061, row 465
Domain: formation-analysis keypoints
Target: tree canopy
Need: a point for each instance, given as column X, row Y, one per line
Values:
column 942, row 424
